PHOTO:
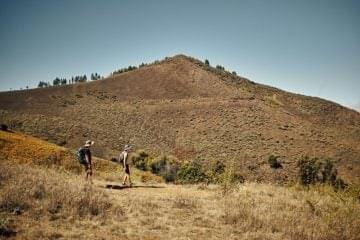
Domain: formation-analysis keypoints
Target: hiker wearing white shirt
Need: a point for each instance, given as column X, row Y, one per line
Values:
column 123, row 159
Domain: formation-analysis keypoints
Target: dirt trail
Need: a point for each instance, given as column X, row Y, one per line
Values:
column 166, row 211
column 157, row 190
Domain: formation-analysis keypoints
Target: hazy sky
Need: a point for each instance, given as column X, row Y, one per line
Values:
column 306, row 46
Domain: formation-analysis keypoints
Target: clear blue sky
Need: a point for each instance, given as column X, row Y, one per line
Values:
column 306, row 46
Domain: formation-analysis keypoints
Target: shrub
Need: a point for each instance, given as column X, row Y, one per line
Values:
column 191, row 173
column 165, row 166
column 218, row 168
column 207, row 63
column 7, row 228
column 216, row 171
column 308, row 170
column 4, row 127
column 274, row 162
column 158, row 164
column 219, row 67
column 314, row 170
column 140, row 160
column 329, row 175
column 230, row 179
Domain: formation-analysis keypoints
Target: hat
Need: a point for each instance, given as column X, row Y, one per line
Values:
column 88, row 143
column 127, row 147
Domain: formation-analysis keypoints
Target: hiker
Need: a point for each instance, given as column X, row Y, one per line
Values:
column 123, row 159
column 84, row 156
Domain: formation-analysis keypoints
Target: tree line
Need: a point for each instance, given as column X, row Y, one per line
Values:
column 74, row 79
column 95, row 76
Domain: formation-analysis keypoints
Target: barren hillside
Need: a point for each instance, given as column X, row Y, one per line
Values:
column 182, row 107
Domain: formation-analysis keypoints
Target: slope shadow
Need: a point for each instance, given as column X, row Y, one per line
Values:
column 119, row 187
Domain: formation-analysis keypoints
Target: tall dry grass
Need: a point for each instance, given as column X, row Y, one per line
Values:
column 46, row 203
column 290, row 213
column 46, row 193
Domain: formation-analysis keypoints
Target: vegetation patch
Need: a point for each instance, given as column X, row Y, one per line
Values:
column 274, row 162
column 191, row 172
column 314, row 170
column 3, row 127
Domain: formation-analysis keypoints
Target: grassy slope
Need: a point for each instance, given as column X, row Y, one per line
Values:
column 18, row 148
column 38, row 201
column 52, row 204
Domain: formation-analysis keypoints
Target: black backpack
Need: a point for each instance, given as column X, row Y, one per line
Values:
column 80, row 154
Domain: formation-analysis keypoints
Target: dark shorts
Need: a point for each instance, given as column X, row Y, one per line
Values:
column 127, row 169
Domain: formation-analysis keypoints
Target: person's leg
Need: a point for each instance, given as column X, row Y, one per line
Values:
column 90, row 176
column 86, row 172
column 127, row 172
column 130, row 181
column 124, row 180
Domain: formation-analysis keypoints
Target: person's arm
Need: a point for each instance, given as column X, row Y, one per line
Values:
column 125, row 159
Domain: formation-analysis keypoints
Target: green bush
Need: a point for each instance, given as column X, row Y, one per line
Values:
column 165, row 166
column 216, row 170
column 140, row 159
column 191, row 173
column 230, row 179
column 314, row 170
column 328, row 172
column 230, row 176
column 274, row 162
column 308, row 170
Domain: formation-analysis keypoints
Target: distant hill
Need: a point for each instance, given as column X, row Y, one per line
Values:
column 185, row 108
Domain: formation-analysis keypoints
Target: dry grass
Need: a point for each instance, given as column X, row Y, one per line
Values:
column 46, row 192
column 68, row 208
column 38, row 201
column 47, row 196
column 284, row 213
column 23, row 149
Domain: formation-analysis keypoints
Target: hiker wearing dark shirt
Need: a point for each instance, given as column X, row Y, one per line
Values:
column 123, row 159
column 88, row 164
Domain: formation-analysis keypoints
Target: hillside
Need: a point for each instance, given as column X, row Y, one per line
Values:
column 50, row 200
column 20, row 149
column 182, row 107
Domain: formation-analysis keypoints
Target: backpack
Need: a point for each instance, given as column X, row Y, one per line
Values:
column 80, row 154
